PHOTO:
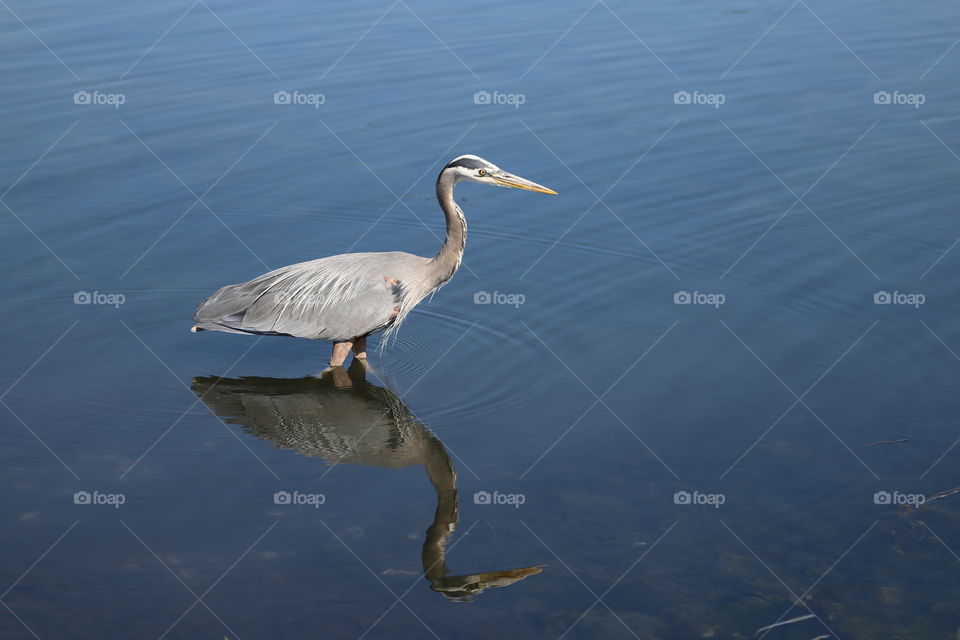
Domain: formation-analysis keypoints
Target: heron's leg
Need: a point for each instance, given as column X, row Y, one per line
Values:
column 340, row 352
column 360, row 347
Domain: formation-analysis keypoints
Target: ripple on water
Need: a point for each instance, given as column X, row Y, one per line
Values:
column 446, row 345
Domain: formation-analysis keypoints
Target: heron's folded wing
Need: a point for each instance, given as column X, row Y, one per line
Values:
column 334, row 298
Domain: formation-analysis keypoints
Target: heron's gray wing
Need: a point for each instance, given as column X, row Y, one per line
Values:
column 335, row 298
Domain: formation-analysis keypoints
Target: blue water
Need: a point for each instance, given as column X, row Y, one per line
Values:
column 782, row 166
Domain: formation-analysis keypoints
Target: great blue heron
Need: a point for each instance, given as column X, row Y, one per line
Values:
column 342, row 418
column 346, row 298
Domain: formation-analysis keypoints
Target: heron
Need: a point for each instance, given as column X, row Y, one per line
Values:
column 345, row 298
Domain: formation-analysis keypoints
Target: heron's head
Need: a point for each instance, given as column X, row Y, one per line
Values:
column 476, row 169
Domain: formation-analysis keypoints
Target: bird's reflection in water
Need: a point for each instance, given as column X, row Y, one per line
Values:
column 343, row 418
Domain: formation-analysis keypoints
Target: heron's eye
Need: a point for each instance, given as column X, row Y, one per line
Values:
column 481, row 172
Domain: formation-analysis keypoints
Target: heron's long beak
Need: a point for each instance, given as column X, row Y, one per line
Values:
column 505, row 179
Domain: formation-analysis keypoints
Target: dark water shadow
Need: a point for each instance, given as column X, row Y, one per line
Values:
column 344, row 419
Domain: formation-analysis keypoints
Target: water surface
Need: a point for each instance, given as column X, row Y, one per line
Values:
column 591, row 410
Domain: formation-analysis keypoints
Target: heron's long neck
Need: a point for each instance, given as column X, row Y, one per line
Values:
column 447, row 261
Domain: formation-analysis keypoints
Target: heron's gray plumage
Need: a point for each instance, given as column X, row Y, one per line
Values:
column 349, row 296
column 335, row 298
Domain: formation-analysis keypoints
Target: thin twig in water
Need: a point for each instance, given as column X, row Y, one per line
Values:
column 878, row 442
column 780, row 624
column 943, row 494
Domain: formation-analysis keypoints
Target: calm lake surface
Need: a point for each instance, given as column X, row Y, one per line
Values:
column 698, row 393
